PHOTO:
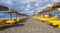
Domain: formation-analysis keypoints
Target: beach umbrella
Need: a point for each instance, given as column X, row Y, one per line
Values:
column 3, row 8
column 10, row 11
column 52, row 8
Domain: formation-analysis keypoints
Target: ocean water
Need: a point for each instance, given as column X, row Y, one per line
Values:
column 56, row 14
column 8, row 16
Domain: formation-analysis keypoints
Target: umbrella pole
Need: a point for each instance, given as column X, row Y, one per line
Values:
column 19, row 16
column 10, row 16
column 16, row 17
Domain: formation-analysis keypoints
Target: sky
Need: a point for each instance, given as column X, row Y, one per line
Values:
column 28, row 7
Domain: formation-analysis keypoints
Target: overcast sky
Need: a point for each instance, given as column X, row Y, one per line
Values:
column 27, row 6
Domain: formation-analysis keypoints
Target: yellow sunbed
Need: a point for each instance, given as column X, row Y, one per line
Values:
column 19, row 19
column 45, row 18
column 2, row 23
column 12, row 21
column 8, row 22
column 56, row 22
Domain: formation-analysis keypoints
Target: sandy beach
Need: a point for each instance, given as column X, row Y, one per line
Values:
column 31, row 25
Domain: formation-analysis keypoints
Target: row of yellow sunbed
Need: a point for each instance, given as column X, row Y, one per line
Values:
column 53, row 20
column 10, row 21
